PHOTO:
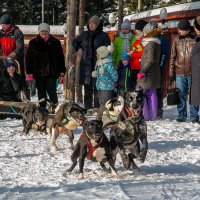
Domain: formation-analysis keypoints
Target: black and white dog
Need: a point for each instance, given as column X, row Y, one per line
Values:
column 68, row 117
column 94, row 145
column 129, row 135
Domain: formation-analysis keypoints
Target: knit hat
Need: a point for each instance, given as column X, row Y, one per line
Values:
column 43, row 27
column 153, row 24
column 184, row 25
column 126, row 25
column 125, row 56
column 10, row 63
column 104, row 51
column 6, row 19
column 140, row 24
column 95, row 19
column 197, row 23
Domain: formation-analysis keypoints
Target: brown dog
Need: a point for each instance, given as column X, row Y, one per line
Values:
column 68, row 117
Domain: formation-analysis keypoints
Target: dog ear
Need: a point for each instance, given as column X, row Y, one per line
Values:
column 108, row 104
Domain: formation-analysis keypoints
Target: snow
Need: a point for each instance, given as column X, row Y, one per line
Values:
column 29, row 170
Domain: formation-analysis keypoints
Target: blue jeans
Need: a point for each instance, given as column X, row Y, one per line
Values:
column 183, row 83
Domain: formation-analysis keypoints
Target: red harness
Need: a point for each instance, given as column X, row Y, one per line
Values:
column 91, row 149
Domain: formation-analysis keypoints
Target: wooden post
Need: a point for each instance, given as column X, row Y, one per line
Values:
column 71, row 29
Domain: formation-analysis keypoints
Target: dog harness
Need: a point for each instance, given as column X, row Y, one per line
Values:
column 133, row 115
column 91, row 149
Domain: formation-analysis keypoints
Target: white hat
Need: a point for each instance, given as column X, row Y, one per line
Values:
column 104, row 51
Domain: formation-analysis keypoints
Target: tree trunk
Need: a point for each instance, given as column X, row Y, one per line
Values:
column 71, row 30
column 120, row 13
column 81, row 16
column 79, row 94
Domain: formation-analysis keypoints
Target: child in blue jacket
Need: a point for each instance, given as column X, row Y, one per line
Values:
column 126, row 77
column 106, row 75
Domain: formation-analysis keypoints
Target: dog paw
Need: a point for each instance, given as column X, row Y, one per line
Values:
column 116, row 176
column 54, row 149
column 81, row 177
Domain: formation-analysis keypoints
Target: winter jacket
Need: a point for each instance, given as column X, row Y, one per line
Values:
column 136, row 54
column 10, row 87
column 180, row 60
column 106, row 80
column 125, row 77
column 89, row 41
column 13, row 41
column 164, row 51
column 45, row 58
column 195, row 65
column 150, row 64
column 118, row 46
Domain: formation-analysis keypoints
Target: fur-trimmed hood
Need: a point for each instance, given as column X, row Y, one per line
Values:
column 145, row 41
column 154, row 33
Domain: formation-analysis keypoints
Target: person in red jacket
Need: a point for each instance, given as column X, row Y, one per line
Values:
column 137, row 49
column 12, row 42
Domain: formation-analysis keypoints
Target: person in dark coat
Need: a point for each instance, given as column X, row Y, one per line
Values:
column 11, row 83
column 180, row 69
column 45, row 62
column 89, row 41
column 149, row 75
column 195, row 65
column 12, row 41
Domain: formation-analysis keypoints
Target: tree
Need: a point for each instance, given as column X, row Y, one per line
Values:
column 120, row 13
column 71, row 28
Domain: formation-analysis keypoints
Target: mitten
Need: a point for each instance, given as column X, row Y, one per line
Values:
column 30, row 77
column 140, row 75
column 94, row 74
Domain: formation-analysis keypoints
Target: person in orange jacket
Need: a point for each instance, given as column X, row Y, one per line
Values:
column 137, row 49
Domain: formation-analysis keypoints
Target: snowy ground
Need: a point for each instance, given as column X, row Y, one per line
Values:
column 28, row 170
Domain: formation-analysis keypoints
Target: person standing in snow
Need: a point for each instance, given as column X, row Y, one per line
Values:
column 125, row 75
column 149, row 74
column 137, row 49
column 124, row 42
column 195, row 66
column 89, row 41
column 12, row 42
column 106, row 76
column 180, row 69
column 45, row 63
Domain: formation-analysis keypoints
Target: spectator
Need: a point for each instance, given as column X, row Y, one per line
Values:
column 195, row 65
column 89, row 41
column 45, row 62
column 149, row 75
column 12, row 41
column 124, row 42
column 106, row 76
column 125, row 75
column 180, row 69
column 137, row 49
column 163, row 62
column 11, row 83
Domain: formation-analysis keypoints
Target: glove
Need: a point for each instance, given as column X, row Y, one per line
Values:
column 30, row 77
column 140, row 75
